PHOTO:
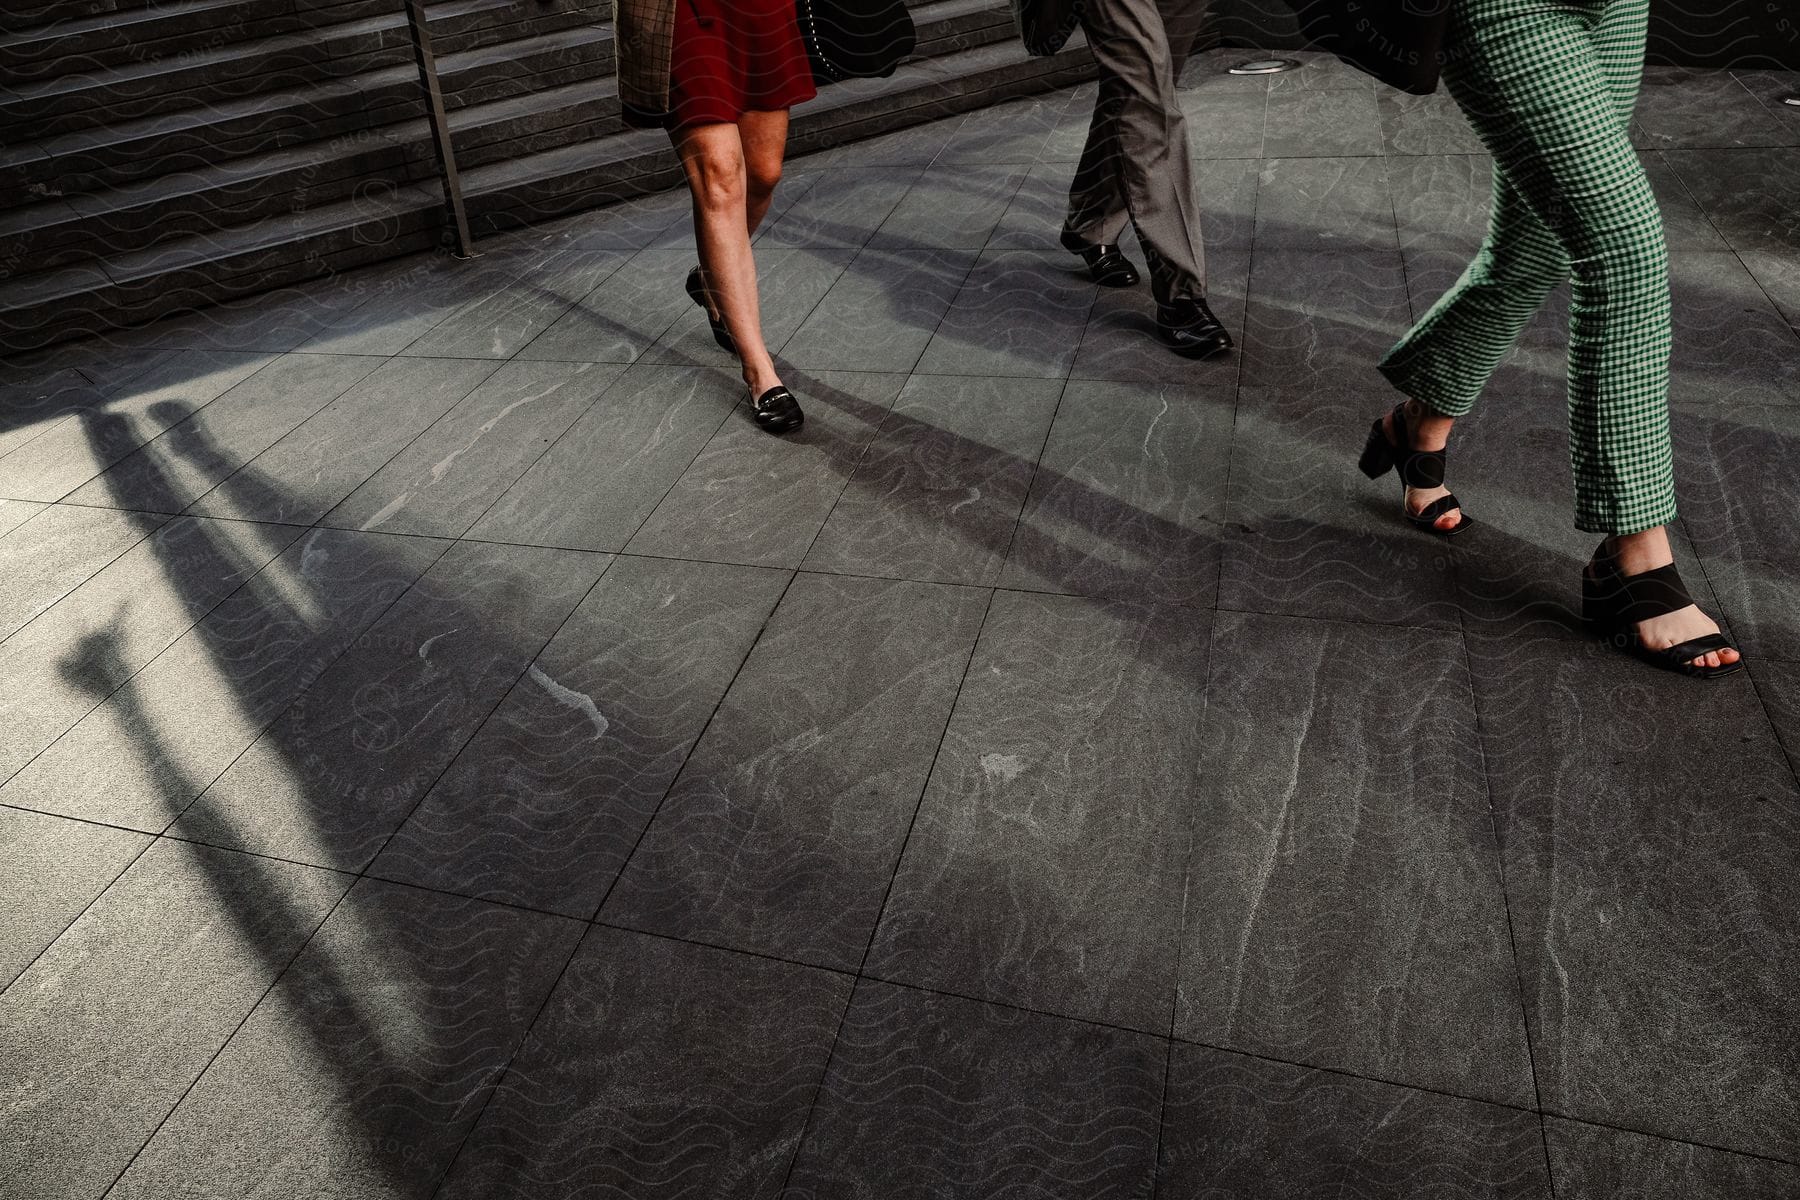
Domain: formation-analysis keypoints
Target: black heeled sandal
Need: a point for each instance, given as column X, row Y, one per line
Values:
column 777, row 411
column 1417, row 468
column 696, row 290
column 1613, row 604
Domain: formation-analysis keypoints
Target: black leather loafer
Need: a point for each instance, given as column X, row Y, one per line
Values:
column 696, row 290
column 1189, row 328
column 777, row 411
column 1106, row 264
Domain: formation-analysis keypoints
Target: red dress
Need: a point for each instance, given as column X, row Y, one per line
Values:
column 735, row 56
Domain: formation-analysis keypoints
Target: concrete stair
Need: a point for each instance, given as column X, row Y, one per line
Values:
column 162, row 155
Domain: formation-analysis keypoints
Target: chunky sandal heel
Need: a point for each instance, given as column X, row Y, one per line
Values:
column 1417, row 468
column 696, row 290
column 1613, row 604
column 1377, row 456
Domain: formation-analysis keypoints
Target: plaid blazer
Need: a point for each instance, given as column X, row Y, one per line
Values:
column 643, row 38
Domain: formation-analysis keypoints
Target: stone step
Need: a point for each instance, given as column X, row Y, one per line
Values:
column 490, row 39
column 122, row 152
column 110, row 39
column 51, row 306
column 104, row 94
column 63, row 230
column 47, row 307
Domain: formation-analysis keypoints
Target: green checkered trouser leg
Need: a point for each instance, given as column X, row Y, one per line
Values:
column 1548, row 86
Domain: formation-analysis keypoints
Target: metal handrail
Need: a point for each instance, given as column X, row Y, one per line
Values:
column 440, row 127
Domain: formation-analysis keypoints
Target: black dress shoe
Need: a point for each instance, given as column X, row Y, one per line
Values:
column 777, row 411
column 1106, row 264
column 696, row 290
column 1189, row 328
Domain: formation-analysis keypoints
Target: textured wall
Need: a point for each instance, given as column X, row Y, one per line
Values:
column 1712, row 33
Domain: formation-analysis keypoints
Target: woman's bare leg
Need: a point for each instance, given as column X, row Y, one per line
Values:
column 764, row 137
column 713, row 158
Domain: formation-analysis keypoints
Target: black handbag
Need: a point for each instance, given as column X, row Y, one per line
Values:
column 1045, row 26
column 855, row 39
column 1400, row 42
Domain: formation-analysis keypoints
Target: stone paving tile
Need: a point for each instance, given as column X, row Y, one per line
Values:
column 735, row 504
column 1591, row 1162
column 1442, row 201
column 952, row 206
column 1045, row 867
column 335, row 775
column 611, row 468
column 1686, row 108
column 1731, row 345
column 398, row 303
column 327, row 457
column 34, row 402
column 736, row 1046
column 51, row 466
column 110, row 1027
column 1779, row 276
column 365, row 1066
column 445, row 480
column 932, row 1096
column 1245, row 1128
column 939, row 489
column 55, row 551
column 1129, row 495
column 1224, row 126
column 619, row 322
column 1120, row 341
column 55, row 867
column 1325, row 204
column 155, row 744
column 1344, row 906
column 1686, row 226
column 1017, row 314
column 1424, row 124
column 782, row 832
column 915, row 146
column 1319, row 315
column 880, row 312
column 1013, row 132
column 196, row 454
column 1649, row 889
column 547, row 801
column 1327, row 121
column 57, row 669
column 1746, row 194
column 499, row 325
column 843, row 207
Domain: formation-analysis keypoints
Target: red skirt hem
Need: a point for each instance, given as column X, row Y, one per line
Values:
column 733, row 57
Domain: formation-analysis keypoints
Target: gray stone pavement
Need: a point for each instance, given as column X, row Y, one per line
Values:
column 446, row 750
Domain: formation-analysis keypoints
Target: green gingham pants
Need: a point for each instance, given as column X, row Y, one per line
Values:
column 1548, row 86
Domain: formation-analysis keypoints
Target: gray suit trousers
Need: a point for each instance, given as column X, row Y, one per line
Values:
column 1137, row 166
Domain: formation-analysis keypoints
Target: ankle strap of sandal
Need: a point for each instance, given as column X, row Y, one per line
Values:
column 1418, row 468
column 1651, row 594
column 1422, row 468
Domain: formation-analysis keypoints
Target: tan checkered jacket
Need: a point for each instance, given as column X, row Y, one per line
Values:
column 643, row 36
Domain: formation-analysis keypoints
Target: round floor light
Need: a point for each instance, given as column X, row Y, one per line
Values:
column 1793, row 100
column 1263, row 66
